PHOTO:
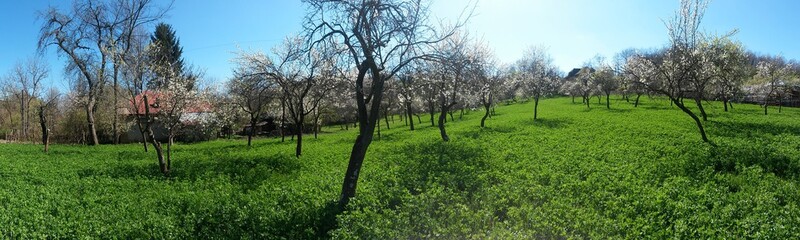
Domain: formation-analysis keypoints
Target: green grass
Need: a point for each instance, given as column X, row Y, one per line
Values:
column 576, row 173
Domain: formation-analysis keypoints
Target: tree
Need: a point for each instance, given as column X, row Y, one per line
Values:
column 305, row 75
column 166, row 51
column 24, row 83
column 130, row 17
column 536, row 75
column 86, row 36
column 381, row 38
column 449, row 74
column 606, row 82
column 730, row 68
column 46, row 109
column 680, row 69
column 773, row 75
column 491, row 80
column 252, row 92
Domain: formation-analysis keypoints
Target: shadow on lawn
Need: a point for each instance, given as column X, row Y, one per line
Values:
column 248, row 171
column 453, row 165
column 749, row 129
column 732, row 158
column 552, row 123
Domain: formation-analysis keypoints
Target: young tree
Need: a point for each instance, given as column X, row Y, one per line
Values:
column 381, row 38
column 536, row 75
column 773, row 75
column 606, row 82
column 46, row 109
column 449, row 74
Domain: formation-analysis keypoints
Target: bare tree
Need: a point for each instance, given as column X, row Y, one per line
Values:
column 24, row 84
column 89, row 35
column 381, row 38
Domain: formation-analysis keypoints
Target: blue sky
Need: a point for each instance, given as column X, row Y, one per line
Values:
column 573, row 30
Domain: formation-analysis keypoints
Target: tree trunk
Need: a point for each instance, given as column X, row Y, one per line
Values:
column 253, row 121
column 573, row 99
column 367, row 119
column 535, row 107
column 169, row 152
column 452, row 119
column 694, row 117
column 461, row 115
column 419, row 120
column 431, row 111
column 45, row 131
column 90, row 120
column 765, row 107
column 162, row 165
column 636, row 103
column 317, row 126
column 386, row 117
column 156, row 145
column 115, row 124
column 299, row 148
column 699, row 103
column 608, row 102
column 725, row 103
column 586, row 99
column 409, row 118
column 486, row 114
column 442, row 118
column 283, row 119
column 142, row 131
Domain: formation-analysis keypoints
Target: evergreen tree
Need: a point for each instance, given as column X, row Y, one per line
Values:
column 166, row 52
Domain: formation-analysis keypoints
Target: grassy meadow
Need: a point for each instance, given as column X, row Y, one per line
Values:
column 575, row 172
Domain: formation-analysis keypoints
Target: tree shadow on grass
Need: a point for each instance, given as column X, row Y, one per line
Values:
column 248, row 171
column 551, row 123
column 730, row 158
column 452, row 165
column 619, row 110
column 748, row 130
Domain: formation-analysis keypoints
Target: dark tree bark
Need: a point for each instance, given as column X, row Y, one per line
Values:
column 162, row 164
column 45, row 130
column 442, row 118
column 431, row 112
column 536, row 106
column 608, row 102
column 253, row 122
column 725, row 103
column 487, row 105
column 694, row 117
column 409, row 118
column 699, row 103
column 636, row 103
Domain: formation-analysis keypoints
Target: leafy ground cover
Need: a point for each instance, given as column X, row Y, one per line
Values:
column 575, row 173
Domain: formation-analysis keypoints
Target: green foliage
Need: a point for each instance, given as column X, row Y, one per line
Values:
column 575, row 173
